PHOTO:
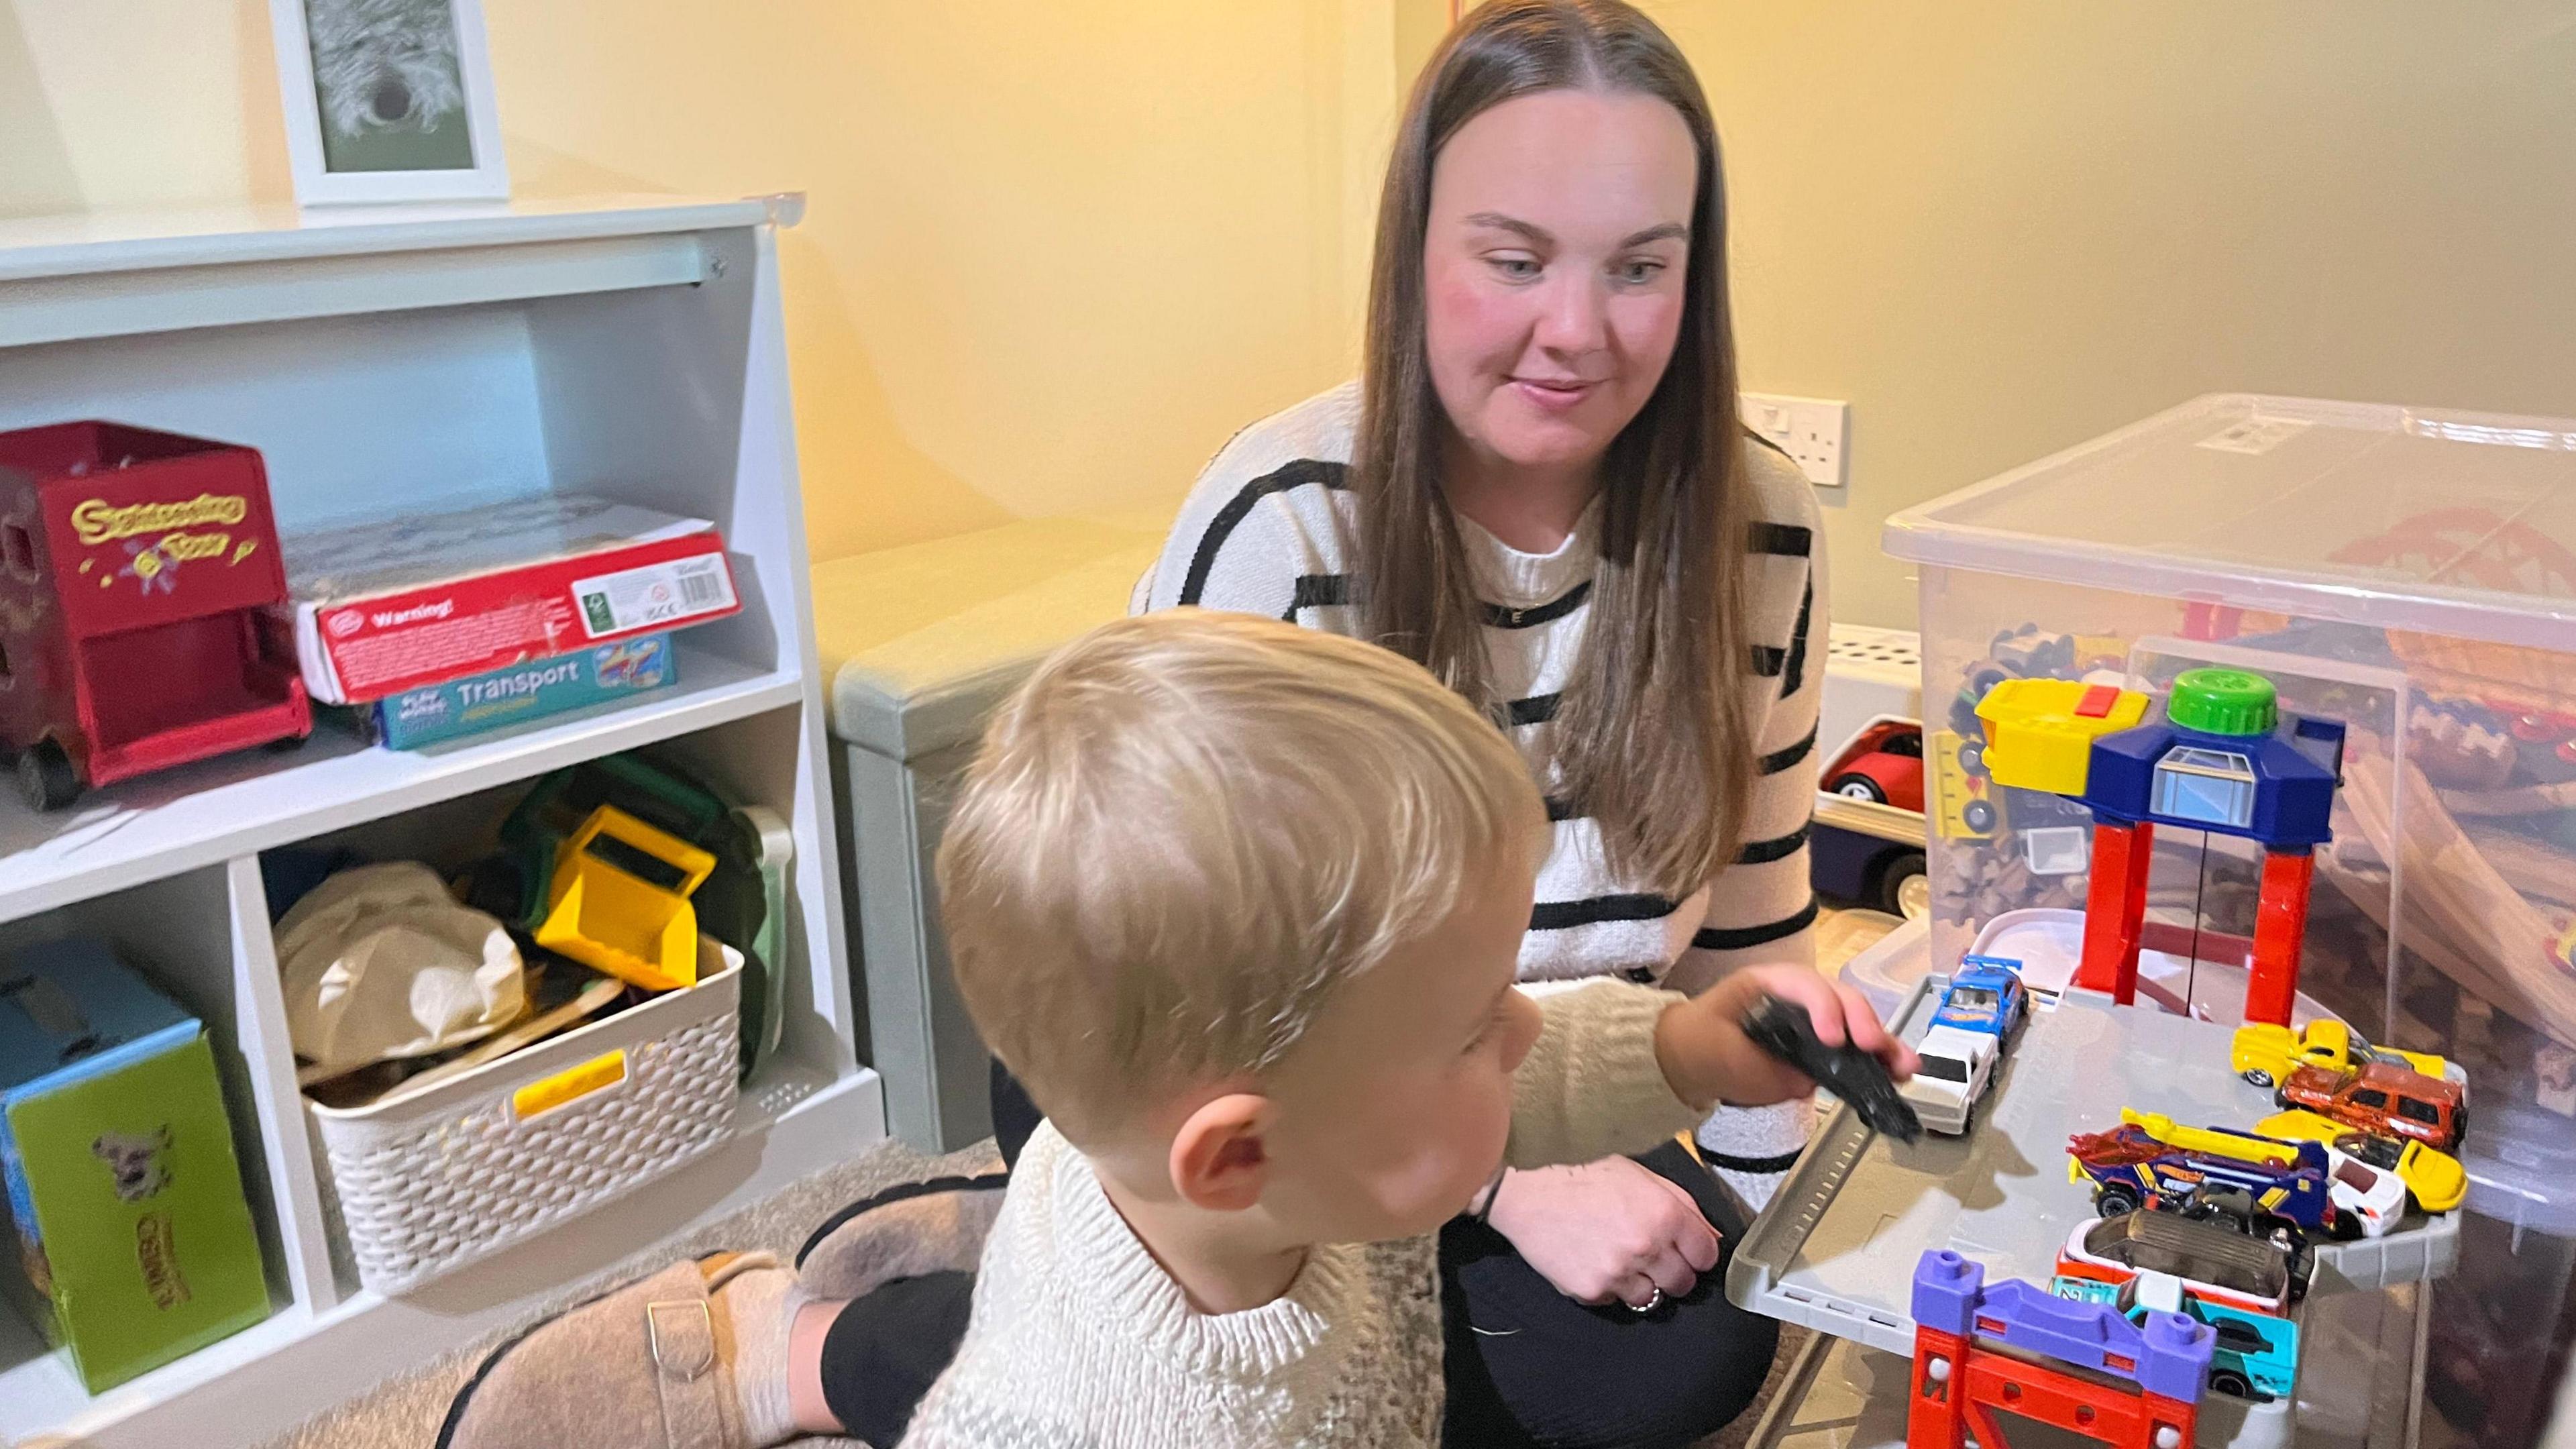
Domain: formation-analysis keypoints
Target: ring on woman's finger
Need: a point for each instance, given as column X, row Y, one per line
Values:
column 1651, row 1304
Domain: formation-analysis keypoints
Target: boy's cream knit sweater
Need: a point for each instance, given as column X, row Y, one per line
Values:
column 1079, row 1338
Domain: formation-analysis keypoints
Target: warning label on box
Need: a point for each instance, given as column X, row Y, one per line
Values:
column 654, row 596
column 443, row 646
column 385, row 608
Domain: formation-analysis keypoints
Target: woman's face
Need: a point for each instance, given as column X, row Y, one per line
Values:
column 1554, row 265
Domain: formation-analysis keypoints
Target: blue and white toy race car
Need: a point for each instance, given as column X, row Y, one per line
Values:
column 1985, row 995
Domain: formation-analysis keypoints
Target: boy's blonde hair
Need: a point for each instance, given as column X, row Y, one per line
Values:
column 1187, row 829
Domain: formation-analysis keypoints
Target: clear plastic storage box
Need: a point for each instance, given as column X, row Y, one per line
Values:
column 2413, row 574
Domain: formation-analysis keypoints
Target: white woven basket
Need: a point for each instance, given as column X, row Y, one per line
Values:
column 426, row 1184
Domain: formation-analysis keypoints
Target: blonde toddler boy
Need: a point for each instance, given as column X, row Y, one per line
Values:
column 1240, row 902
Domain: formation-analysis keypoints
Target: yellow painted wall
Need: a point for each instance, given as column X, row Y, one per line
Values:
column 137, row 103
column 2002, row 228
column 1055, row 254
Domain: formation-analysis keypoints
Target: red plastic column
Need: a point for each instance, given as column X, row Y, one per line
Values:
column 2280, row 928
column 2207, row 621
column 2157, row 1414
column 2115, row 907
column 2104, row 1413
column 1937, row 1415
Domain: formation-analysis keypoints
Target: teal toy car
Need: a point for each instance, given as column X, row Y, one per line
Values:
column 2256, row 1356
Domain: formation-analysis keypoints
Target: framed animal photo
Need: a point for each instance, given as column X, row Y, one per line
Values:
column 388, row 101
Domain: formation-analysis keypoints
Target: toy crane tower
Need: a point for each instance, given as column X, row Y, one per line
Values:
column 1980, row 1348
column 2218, row 756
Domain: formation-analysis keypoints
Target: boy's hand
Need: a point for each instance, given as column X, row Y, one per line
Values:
column 1700, row 1043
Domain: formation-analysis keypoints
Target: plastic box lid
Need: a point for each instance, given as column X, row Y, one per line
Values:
column 2442, row 522
column 2522, row 1168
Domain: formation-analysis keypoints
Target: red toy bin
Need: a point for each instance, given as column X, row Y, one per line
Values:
column 137, row 572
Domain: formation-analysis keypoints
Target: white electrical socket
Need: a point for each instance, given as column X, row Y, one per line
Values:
column 1811, row 430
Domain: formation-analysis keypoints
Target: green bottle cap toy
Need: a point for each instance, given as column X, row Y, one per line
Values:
column 2223, row 702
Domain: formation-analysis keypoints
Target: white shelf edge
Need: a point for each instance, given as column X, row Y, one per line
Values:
column 94, row 853
column 268, row 1378
column 260, row 1031
column 39, row 310
column 86, row 243
column 768, row 450
column 47, row 1385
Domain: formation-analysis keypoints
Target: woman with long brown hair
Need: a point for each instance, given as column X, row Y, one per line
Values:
column 1537, row 489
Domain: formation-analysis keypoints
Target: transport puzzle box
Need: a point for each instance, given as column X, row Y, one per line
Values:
column 524, row 692
column 540, row 687
column 384, row 608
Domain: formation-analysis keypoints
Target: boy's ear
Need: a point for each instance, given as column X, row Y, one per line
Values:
column 1220, row 1160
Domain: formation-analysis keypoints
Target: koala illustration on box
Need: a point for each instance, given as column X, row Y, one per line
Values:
column 139, row 1163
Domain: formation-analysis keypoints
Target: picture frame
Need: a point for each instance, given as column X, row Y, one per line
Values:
column 388, row 101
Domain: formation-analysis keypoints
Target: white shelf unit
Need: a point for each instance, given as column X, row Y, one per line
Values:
column 388, row 362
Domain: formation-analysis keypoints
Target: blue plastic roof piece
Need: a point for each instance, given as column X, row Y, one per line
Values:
column 2277, row 790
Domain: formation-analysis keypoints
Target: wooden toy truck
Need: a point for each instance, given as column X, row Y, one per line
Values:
column 137, row 569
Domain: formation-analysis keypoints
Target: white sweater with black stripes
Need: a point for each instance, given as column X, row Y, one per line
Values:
column 1267, row 529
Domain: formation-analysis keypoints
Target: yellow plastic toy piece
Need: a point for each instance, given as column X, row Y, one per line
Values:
column 2040, row 732
column 2300, row 1125
column 1960, row 805
column 2435, row 1177
column 2271, row 1053
column 619, row 901
column 2216, row 1143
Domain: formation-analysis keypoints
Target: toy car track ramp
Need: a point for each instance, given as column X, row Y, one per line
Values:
column 1836, row 1249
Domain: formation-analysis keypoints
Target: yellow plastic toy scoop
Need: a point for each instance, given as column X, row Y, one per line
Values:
column 619, row 902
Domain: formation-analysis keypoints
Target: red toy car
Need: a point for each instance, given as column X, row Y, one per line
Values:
column 1883, row 763
column 136, row 572
column 2388, row 1100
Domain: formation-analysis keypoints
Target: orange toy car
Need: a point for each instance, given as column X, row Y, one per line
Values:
column 2384, row 1099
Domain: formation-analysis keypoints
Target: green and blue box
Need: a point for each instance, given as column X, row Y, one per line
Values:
column 136, row 1242
column 522, row 692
